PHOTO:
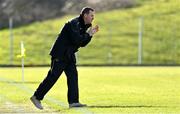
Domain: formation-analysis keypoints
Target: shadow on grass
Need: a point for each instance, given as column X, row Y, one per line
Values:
column 116, row 106
column 20, row 82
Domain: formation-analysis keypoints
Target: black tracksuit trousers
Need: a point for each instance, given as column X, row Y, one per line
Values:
column 57, row 67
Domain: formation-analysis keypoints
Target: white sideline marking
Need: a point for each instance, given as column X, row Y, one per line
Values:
column 9, row 106
column 50, row 99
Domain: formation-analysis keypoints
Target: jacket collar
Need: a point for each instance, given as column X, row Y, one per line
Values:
column 82, row 23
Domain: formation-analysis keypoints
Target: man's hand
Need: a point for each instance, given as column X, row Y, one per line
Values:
column 93, row 30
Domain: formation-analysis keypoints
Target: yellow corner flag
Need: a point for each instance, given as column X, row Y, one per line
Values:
column 22, row 51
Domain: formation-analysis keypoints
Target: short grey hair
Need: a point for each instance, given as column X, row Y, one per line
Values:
column 86, row 10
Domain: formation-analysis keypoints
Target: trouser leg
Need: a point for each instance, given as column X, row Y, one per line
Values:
column 72, row 82
column 51, row 78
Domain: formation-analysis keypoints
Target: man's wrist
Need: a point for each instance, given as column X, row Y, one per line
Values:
column 90, row 33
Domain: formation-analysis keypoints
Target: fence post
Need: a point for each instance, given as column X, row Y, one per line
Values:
column 77, row 57
column 11, row 39
column 109, row 45
column 140, row 46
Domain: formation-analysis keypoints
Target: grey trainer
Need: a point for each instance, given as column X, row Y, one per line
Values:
column 36, row 102
column 77, row 105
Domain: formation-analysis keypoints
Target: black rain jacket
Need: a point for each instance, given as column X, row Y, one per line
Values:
column 72, row 36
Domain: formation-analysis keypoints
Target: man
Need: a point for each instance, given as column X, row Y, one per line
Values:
column 75, row 34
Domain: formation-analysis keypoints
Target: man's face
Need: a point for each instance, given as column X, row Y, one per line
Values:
column 88, row 18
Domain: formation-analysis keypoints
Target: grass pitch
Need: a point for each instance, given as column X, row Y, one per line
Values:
column 104, row 89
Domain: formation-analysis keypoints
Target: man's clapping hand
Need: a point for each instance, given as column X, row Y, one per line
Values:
column 93, row 30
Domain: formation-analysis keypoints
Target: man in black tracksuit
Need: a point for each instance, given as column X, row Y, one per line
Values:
column 75, row 34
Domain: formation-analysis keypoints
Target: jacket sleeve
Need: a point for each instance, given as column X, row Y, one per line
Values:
column 77, row 38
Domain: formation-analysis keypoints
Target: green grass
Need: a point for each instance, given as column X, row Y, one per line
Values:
column 118, row 34
column 104, row 89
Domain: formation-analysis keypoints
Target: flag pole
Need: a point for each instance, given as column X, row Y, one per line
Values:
column 22, row 59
